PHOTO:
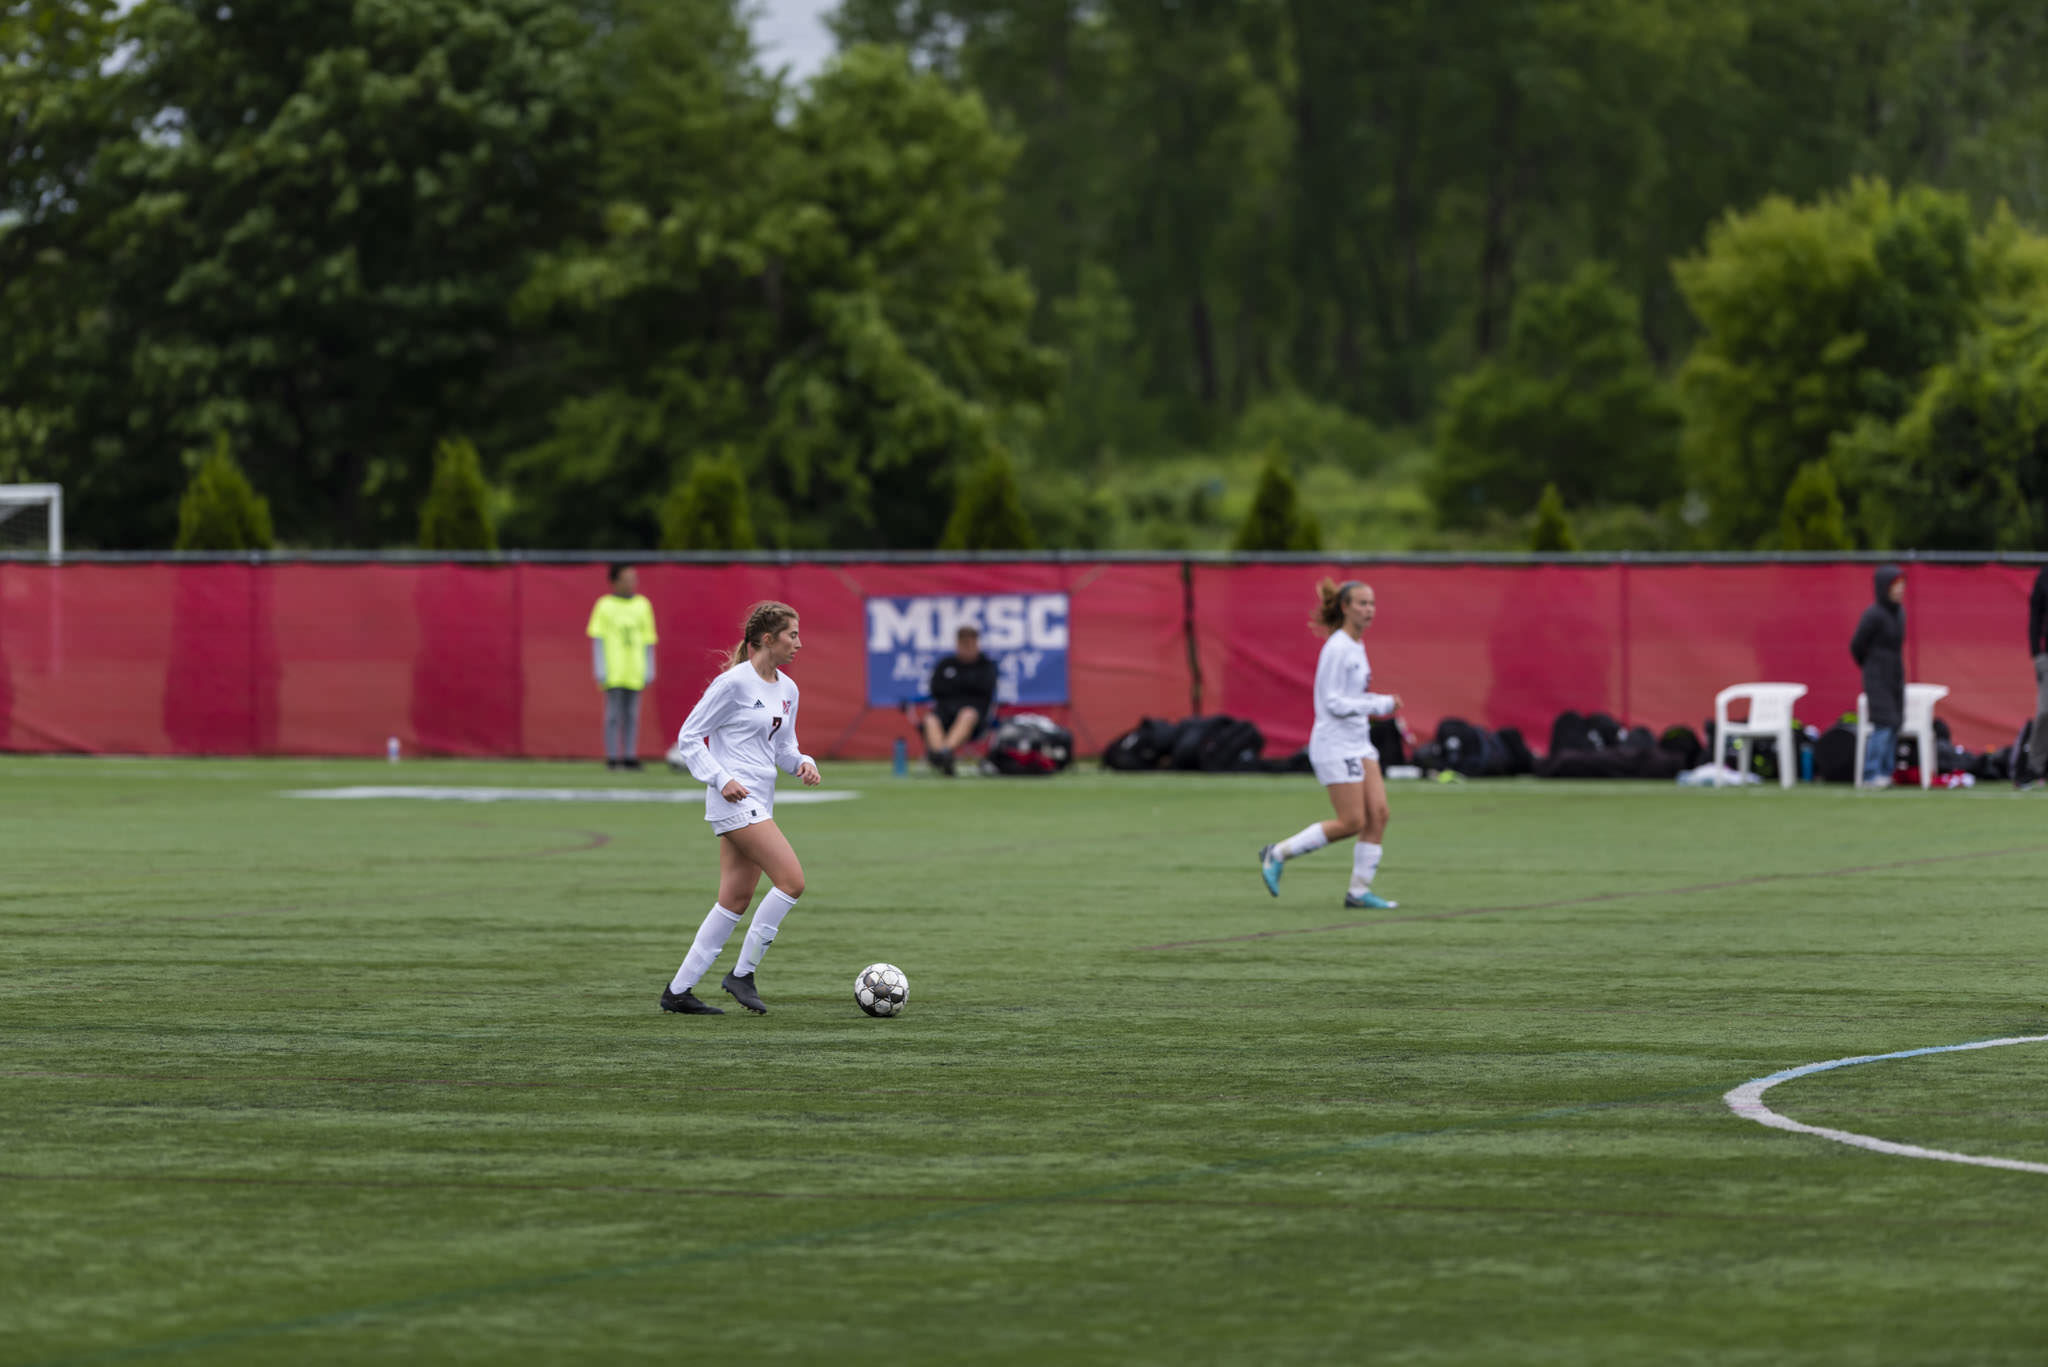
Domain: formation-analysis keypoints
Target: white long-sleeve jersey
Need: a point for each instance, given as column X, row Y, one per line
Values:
column 744, row 728
column 1345, row 702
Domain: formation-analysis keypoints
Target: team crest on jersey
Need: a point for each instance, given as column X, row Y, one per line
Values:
column 786, row 705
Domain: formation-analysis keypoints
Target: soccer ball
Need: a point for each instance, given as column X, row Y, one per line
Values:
column 881, row 990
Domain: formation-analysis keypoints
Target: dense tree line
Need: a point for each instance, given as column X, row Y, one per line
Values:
column 1122, row 272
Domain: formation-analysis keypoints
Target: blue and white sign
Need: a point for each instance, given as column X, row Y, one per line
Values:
column 1024, row 633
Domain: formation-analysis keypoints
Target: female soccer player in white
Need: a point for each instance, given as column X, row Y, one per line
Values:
column 1340, row 746
column 742, row 730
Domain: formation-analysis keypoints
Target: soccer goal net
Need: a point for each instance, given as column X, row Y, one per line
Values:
column 32, row 519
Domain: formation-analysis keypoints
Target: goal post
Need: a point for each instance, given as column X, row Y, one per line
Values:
column 32, row 519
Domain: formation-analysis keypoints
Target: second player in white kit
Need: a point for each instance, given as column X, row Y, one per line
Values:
column 1340, row 747
column 741, row 733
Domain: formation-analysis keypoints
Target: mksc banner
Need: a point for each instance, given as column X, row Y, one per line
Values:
column 1025, row 633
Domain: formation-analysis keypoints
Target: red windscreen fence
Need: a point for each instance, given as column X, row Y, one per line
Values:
column 491, row 660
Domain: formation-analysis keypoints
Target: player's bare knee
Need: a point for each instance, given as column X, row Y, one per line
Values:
column 791, row 887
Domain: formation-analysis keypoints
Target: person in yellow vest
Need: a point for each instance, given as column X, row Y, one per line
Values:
column 622, row 641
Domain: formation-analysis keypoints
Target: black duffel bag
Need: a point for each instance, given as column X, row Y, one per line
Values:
column 1189, row 740
column 1145, row 746
column 1232, row 746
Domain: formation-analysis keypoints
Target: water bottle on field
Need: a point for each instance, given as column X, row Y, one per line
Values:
column 899, row 758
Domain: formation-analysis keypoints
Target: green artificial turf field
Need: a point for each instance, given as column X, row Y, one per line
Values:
column 321, row 1081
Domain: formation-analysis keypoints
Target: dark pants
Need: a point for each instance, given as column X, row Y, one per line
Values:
column 2037, row 748
column 621, row 723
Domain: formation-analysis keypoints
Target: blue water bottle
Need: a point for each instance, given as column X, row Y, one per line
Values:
column 899, row 758
column 1806, row 764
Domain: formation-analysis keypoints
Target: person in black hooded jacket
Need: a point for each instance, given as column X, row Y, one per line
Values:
column 2037, row 646
column 1879, row 649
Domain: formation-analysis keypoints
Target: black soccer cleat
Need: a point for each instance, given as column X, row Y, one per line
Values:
column 742, row 990
column 685, row 1003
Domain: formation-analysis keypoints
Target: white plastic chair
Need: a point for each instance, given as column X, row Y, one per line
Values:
column 1770, row 714
column 1918, row 723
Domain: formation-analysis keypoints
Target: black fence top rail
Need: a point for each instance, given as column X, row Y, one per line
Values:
column 1336, row 557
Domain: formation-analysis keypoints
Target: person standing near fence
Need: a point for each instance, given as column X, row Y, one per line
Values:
column 622, row 643
column 1879, row 649
column 2030, row 767
column 1341, row 749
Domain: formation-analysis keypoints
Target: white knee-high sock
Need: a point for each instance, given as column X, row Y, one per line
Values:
column 711, row 937
column 767, row 920
column 1365, row 862
column 1303, row 842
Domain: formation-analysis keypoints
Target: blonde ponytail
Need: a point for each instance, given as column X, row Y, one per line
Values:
column 763, row 619
column 1330, row 600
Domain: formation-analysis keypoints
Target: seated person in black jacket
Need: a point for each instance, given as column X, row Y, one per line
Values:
column 963, row 696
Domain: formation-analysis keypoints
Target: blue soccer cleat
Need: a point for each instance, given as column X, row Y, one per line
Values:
column 1369, row 901
column 1270, row 865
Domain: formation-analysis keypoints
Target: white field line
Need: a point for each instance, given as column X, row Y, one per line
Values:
column 1748, row 1101
column 422, row 793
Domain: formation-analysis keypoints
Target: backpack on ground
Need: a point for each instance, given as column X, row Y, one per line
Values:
column 1834, row 755
column 1029, row 744
column 1465, row 747
column 1296, row 763
column 1519, row 758
column 1144, row 746
column 1621, row 761
column 1188, row 741
column 1232, row 746
column 1570, row 732
column 1683, row 742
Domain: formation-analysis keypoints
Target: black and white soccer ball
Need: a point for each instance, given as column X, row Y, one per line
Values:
column 881, row 990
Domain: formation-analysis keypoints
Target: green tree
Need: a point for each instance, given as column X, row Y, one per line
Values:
column 1812, row 519
column 55, row 101
column 457, row 515
column 1305, row 433
column 304, row 223
column 1817, row 318
column 830, row 307
column 1573, row 402
column 1552, row 529
column 1967, row 468
column 989, row 513
column 1101, row 413
column 707, row 510
column 1276, row 521
column 221, row 510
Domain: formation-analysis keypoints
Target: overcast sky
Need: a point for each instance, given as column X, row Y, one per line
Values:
column 792, row 33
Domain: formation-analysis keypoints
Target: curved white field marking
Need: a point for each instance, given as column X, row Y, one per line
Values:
column 1748, row 1100
column 431, row 794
